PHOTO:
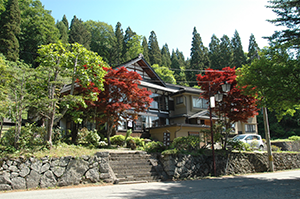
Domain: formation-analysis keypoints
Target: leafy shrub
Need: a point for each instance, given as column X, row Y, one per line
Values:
column 186, row 144
column 138, row 141
column 131, row 144
column 31, row 136
column 153, row 147
column 239, row 145
column 170, row 152
column 86, row 137
column 275, row 148
column 117, row 140
column 294, row 138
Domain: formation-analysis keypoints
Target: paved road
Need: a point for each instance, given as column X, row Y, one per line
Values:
column 267, row 185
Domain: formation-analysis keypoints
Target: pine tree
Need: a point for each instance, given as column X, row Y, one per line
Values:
column 128, row 36
column 165, row 56
column 225, row 52
column 65, row 21
column 287, row 12
column 154, row 51
column 145, row 48
column 199, row 58
column 119, row 43
column 178, row 65
column 63, row 30
column 239, row 57
column 10, row 29
column 214, row 53
column 78, row 33
column 253, row 49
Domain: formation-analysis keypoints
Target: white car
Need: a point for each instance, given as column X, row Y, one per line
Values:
column 253, row 140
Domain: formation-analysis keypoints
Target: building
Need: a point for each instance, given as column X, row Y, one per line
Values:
column 176, row 111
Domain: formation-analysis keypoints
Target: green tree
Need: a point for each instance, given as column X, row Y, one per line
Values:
column 287, row 12
column 226, row 51
column 274, row 79
column 134, row 47
column 154, row 51
column 165, row 56
column 215, row 53
column 164, row 73
column 238, row 57
column 59, row 62
column 65, row 21
column 118, row 48
column 63, row 30
column 145, row 49
column 102, row 39
column 253, row 49
column 128, row 36
column 10, row 29
column 78, row 33
column 37, row 28
column 178, row 65
column 199, row 58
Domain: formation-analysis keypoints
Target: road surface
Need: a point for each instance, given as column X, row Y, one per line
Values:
column 283, row 184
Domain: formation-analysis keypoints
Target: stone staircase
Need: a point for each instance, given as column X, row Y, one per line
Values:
column 133, row 167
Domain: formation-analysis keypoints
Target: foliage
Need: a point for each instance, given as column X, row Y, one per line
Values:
column 178, row 64
column 275, row 148
column 120, row 94
column 88, row 137
column 199, row 58
column 154, row 147
column 273, row 80
column 294, row 138
column 239, row 145
column 235, row 105
column 225, row 52
column 165, row 56
column 138, row 141
column 30, row 137
column 253, row 50
column 117, row 140
column 10, row 29
column 154, row 51
column 238, row 58
column 164, row 73
column 118, row 47
column 79, row 33
column 186, row 144
column 214, row 53
column 288, row 16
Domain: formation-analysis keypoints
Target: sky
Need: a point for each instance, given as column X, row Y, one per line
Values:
column 173, row 21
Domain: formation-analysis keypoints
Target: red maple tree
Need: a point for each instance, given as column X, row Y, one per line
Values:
column 235, row 106
column 120, row 100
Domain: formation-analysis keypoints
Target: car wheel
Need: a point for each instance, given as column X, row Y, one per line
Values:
column 261, row 147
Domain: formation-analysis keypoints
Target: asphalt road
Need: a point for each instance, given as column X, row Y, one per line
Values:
column 281, row 185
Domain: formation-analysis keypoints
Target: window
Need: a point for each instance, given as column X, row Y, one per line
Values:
column 250, row 128
column 179, row 100
column 200, row 103
column 154, row 103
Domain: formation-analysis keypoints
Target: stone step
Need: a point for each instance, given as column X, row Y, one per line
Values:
column 132, row 172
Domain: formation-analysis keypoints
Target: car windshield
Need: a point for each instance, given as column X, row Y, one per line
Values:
column 239, row 137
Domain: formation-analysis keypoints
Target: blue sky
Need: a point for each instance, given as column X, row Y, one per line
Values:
column 173, row 20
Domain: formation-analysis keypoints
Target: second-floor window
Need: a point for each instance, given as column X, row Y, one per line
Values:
column 200, row 103
column 179, row 100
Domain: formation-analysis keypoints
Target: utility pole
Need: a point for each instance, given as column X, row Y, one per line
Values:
column 267, row 134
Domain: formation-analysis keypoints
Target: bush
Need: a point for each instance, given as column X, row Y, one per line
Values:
column 117, row 140
column 88, row 138
column 186, row 144
column 294, row 138
column 30, row 137
column 138, row 141
column 153, row 147
column 239, row 145
column 275, row 148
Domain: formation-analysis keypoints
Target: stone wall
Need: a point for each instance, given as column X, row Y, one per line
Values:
column 46, row 172
column 288, row 145
column 188, row 166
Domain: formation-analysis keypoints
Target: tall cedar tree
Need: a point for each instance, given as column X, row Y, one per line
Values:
column 146, row 50
column 127, row 38
column 235, row 106
column 10, row 29
column 118, row 48
column 121, row 99
column 65, row 21
column 37, row 28
column 199, row 58
column 165, row 56
column 253, row 50
column 239, row 57
column 78, row 33
column 63, row 30
column 225, row 52
column 178, row 65
column 289, row 16
column 215, row 53
column 154, row 51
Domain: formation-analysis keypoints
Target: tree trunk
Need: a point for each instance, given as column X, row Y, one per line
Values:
column 1, row 127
